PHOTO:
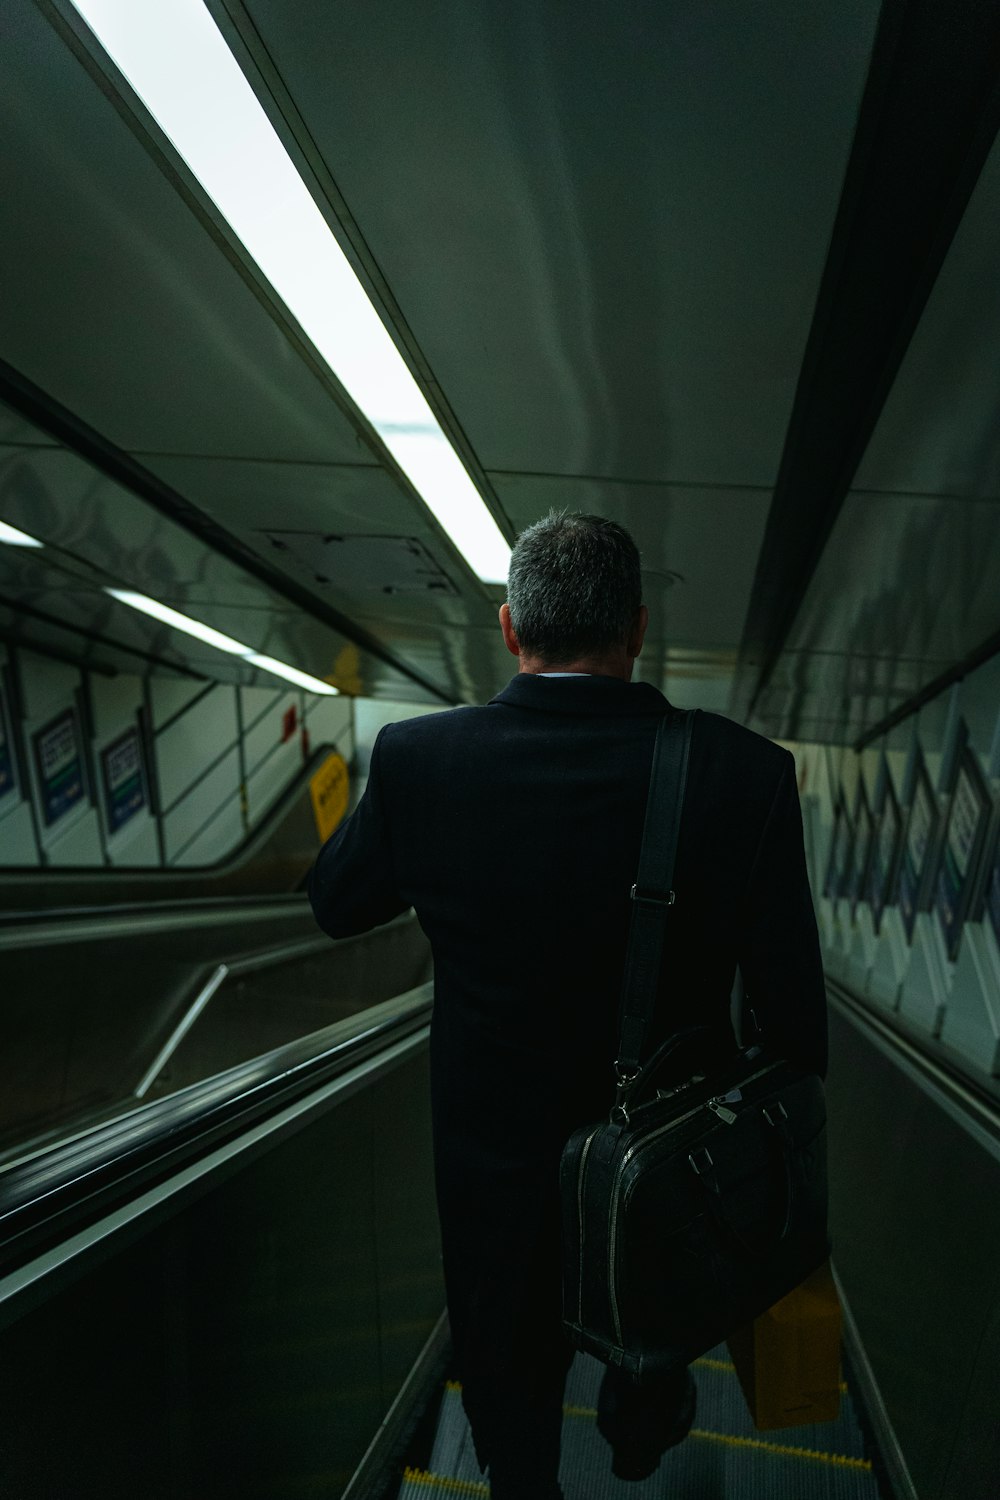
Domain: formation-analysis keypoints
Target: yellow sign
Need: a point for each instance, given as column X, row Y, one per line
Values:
column 328, row 789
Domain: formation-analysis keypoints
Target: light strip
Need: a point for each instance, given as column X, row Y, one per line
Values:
column 175, row 57
column 15, row 538
column 177, row 621
column 281, row 669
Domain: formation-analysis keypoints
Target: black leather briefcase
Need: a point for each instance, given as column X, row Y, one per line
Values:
column 695, row 1206
column 693, row 1213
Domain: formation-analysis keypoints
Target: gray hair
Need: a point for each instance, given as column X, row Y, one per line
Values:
column 574, row 587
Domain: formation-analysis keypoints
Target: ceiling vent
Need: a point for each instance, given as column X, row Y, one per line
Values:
column 362, row 564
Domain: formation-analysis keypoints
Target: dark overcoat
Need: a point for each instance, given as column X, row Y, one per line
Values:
column 513, row 830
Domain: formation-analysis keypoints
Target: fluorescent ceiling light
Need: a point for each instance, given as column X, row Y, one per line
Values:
column 302, row 679
column 175, row 57
column 177, row 621
column 15, row 538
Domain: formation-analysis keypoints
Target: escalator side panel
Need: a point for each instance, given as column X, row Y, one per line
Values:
column 249, row 1344
column 915, row 1218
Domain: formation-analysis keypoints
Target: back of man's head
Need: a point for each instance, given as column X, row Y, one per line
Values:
column 574, row 587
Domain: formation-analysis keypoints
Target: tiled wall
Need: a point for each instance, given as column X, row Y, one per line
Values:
column 211, row 760
column 912, row 923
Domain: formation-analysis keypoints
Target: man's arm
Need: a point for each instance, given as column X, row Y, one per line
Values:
column 352, row 885
column 779, row 955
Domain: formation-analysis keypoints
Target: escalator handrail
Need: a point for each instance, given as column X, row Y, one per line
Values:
column 44, row 1192
column 944, row 1070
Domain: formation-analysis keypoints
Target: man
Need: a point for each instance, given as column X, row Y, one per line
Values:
column 514, row 831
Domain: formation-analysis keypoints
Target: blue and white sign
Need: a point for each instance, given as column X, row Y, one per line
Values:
column 884, row 851
column 919, row 832
column 59, row 763
column 124, row 781
column 967, row 821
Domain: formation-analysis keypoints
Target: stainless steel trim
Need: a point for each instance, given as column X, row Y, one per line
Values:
column 369, row 1480
column 181, row 1030
column 72, row 1254
column 975, row 1117
column 249, row 963
column 871, row 1400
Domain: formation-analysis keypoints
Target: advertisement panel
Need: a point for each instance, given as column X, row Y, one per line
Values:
column 124, row 779
column 885, row 851
column 968, row 819
column 916, row 847
column 59, row 763
column 864, row 829
column 992, row 899
column 840, row 851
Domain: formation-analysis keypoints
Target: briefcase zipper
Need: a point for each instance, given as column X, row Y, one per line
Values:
column 613, row 1229
column 627, row 1157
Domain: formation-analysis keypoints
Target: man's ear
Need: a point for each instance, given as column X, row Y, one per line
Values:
column 638, row 631
column 510, row 640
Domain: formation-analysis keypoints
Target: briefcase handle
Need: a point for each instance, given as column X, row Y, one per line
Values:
column 631, row 1086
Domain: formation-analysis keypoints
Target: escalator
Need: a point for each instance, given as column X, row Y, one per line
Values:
column 227, row 1282
column 103, row 1007
column 118, row 985
column 222, row 1291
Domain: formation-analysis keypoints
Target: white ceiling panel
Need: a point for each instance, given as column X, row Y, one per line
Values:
column 255, row 496
column 605, row 226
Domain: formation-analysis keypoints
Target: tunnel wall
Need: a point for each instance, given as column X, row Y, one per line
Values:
column 911, row 942
column 903, row 843
column 139, row 772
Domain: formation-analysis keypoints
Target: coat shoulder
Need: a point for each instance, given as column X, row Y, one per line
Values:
column 404, row 738
column 734, row 742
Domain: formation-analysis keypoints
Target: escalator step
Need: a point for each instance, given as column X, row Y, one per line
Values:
column 724, row 1458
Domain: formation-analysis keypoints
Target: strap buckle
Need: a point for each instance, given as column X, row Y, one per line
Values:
column 653, row 898
column 625, row 1078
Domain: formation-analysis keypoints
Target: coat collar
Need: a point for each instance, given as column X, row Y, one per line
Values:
column 582, row 695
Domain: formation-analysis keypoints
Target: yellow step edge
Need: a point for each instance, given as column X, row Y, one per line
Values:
column 758, row 1445
column 442, row 1482
column 786, row 1450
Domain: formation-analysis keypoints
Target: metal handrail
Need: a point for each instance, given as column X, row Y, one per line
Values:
column 944, row 1072
column 58, row 1184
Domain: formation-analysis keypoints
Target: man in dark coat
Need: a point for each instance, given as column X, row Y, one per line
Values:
column 513, row 830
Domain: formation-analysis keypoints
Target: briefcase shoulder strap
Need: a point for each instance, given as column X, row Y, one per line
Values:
column 652, row 894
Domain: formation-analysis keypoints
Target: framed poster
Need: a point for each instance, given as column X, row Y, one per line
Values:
column 59, row 763
column 123, row 779
column 840, row 851
column 916, row 847
column 8, row 779
column 991, row 896
column 885, row 852
column 864, row 829
column 965, row 834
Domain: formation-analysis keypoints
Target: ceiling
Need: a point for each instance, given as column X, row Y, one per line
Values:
column 600, row 236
